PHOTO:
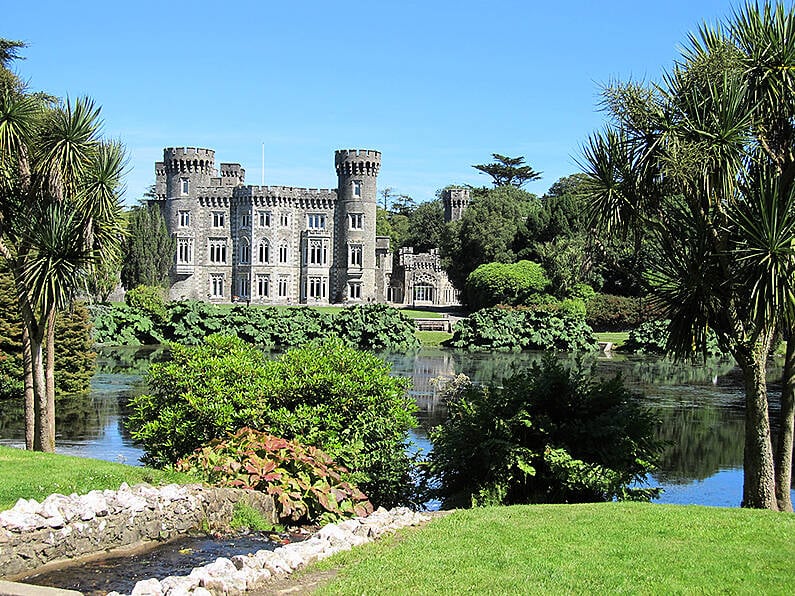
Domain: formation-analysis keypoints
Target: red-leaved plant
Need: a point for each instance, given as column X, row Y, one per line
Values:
column 305, row 482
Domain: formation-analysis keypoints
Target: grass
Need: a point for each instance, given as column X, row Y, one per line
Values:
column 432, row 338
column 604, row 548
column 616, row 337
column 32, row 475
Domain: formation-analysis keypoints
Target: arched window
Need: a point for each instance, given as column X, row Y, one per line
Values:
column 245, row 251
column 264, row 252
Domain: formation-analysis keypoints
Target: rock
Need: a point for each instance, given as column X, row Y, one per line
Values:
column 147, row 587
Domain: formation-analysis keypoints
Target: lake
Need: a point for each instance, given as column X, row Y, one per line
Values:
column 701, row 408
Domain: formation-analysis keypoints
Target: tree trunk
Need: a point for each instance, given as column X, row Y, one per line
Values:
column 30, row 398
column 758, row 472
column 40, row 440
column 49, row 374
column 783, row 461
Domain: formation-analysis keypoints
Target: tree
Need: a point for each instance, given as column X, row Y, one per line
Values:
column 60, row 216
column 148, row 249
column 425, row 226
column 501, row 283
column 508, row 171
column 9, row 51
column 702, row 167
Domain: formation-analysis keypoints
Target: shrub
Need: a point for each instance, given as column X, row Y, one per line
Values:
column 150, row 299
column 376, row 327
column 551, row 435
column 504, row 283
column 305, row 482
column 124, row 325
column 325, row 394
column 651, row 337
column 606, row 312
column 523, row 329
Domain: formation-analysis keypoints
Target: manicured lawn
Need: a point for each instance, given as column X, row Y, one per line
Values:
column 604, row 548
column 616, row 337
column 30, row 475
column 432, row 338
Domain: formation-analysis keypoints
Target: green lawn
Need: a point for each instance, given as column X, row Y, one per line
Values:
column 617, row 337
column 432, row 338
column 604, row 548
column 30, row 475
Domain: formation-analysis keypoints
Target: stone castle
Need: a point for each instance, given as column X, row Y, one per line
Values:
column 287, row 245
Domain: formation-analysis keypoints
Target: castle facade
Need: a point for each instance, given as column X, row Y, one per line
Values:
column 281, row 244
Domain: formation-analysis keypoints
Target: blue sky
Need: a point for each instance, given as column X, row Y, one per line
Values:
column 436, row 86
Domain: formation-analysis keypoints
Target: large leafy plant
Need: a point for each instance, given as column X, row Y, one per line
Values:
column 305, row 483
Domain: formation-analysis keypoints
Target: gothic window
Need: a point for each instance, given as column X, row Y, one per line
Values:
column 183, row 186
column 218, row 250
column 357, row 188
column 219, row 219
column 184, row 218
column 316, row 287
column 264, row 252
column 355, row 291
column 243, row 286
column 245, row 251
column 316, row 221
column 263, row 285
column 423, row 292
column 245, row 220
column 217, row 285
column 264, row 219
column 283, row 252
column 284, row 220
column 185, row 251
column 316, row 253
column 355, row 221
column 355, row 255
column 282, row 287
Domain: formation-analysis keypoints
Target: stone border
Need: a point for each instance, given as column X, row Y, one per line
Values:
column 242, row 573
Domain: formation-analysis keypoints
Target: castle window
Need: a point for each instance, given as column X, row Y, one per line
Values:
column 284, row 220
column 264, row 252
column 183, row 186
column 283, row 252
column 316, row 221
column 219, row 219
column 317, row 287
column 355, row 221
column 217, row 285
column 264, row 219
column 243, row 286
column 355, row 255
column 185, row 251
column 357, row 188
column 282, row 287
column 263, row 285
column 355, row 291
column 423, row 292
column 245, row 251
column 184, row 218
column 245, row 220
column 317, row 253
column 218, row 250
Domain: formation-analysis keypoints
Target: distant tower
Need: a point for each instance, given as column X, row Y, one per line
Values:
column 182, row 170
column 455, row 201
column 354, row 254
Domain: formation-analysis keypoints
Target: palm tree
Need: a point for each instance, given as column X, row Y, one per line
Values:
column 60, row 217
column 702, row 165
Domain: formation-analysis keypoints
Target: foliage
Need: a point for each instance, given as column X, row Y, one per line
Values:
column 502, row 283
column 148, row 249
column 508, row 171
column 550, row 435
column 652, row 337
column 523, row 329
column 324, row 394
column 305, row 483
column 120, row 324
column 615, row 313
column 425, row 226
column 75, row 360
column 376, row 327
column 150, row 299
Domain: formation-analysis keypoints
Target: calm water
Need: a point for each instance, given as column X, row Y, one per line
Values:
column 700, row 407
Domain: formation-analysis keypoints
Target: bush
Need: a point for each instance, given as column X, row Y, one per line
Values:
column 551, row 435
column 605, row 312
column 504, row 283
column 376, row 327
column 305, row 482
column 652, row 336
column 523, row 329
column 324, row 394
column 150, row 299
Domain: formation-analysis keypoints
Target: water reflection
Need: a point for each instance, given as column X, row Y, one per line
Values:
column 700, row 408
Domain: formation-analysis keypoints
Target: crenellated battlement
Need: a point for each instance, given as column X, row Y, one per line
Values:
column 359, row 162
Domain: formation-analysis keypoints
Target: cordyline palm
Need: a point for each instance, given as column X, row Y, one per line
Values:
column 703, row 165
column 59, row 218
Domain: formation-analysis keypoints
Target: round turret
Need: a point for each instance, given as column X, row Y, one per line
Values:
column 187, row 168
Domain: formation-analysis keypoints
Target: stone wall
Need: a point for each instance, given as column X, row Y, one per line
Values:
column 34, row 535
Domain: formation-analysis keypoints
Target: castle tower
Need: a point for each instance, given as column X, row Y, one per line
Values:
column 182, row 170
column 455, row 201
column 354, row 277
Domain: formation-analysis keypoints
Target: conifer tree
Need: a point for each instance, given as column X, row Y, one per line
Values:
column 148, row 250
